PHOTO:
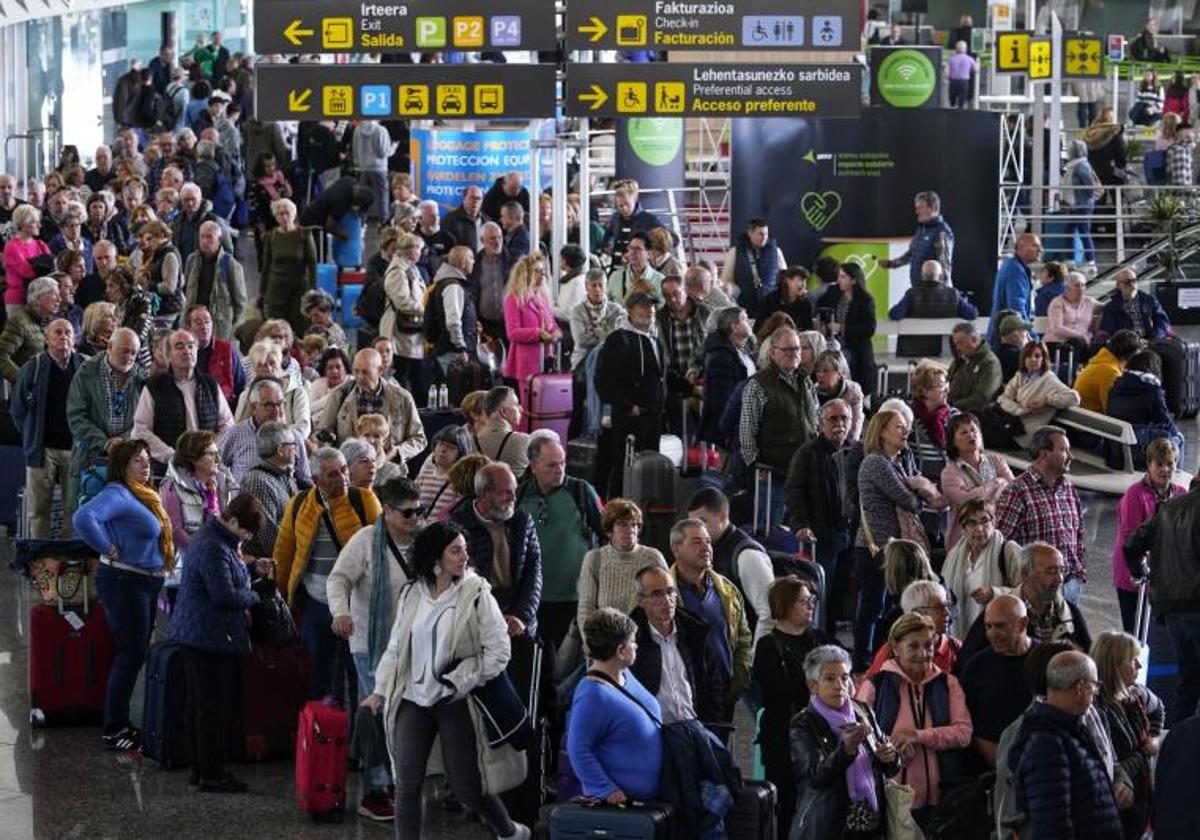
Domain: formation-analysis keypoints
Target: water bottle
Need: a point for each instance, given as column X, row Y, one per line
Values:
column 432, row 399
column 443, row 396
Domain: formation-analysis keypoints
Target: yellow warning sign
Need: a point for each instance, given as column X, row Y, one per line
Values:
column 1041, row 59
column 414, row 100
column 631, row 97
column 1012, row 52
column 1083, row 57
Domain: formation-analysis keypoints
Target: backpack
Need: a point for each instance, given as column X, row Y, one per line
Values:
column 372, row 302
column 435, row 311
column 848, row 459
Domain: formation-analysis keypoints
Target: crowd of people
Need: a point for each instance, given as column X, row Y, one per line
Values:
column 238, row 440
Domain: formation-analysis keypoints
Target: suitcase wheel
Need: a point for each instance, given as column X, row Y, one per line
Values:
column 37, row 717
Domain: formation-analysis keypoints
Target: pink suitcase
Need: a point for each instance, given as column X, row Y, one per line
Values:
column 549, row 402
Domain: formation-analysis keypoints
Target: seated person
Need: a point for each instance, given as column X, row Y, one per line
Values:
column 1138, row 398
column 674, row 662
column 1071, row 316
column 994, row 679
column 1097, row 377
column 975, row 376
column 614, row 740
column 1130, row 309
column 1035, row 392
column 932, row 297
column 1054, row 283
column 1013, row 333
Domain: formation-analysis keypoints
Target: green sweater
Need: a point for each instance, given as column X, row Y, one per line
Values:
column 568, row 523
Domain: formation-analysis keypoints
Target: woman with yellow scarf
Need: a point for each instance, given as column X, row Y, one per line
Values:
column 127, row 524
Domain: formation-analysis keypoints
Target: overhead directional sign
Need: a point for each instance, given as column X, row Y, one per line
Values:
column 388, row 91
column 1083, row 55
column 697, row 90
column 1041, row 58
column 338, row 26
column 717, row 25
column 1012, row 52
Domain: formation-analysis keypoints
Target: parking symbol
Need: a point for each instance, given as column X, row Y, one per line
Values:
column 431, row 32
column 452, row 99
column 506, row 30
column 414, row 100
column 376, row 101
column 827, row 31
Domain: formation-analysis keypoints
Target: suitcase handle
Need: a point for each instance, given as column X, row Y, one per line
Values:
column 1141, row 620
column 759, row 471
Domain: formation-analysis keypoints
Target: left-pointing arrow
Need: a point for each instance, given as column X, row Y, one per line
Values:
column 294, row 32
column 298, row 101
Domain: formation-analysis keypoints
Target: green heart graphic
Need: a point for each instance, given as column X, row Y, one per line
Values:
column 818, row 209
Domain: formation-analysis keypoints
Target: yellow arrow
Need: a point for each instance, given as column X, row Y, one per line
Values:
column 597, row 97
column 596, row 29
column 299, row 101
column 293, row 33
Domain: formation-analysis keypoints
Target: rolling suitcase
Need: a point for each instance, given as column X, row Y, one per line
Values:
column 752, row 816
column 273, row 686
column 70, row 653
column 322, row 744
column 649, row 482
column 634, row 821
column 1180, row 374
column 348, row 252
column 164, row 729
column 774, row 538
column 581, row 459
column 525, row 668
column 550, row 401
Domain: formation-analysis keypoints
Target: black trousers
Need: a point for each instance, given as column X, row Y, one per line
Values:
column 210, row 678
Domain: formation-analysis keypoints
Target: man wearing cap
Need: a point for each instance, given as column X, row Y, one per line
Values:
column 1014, row 334
column 629, row 377
column 1014, row 283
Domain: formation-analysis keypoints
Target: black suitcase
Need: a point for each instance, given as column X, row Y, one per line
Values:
column 581, row 459
column 525, row 668
column 164, row 729
column 1181, row 374
column 752, row 816
column 649, row 482
column 635, row 821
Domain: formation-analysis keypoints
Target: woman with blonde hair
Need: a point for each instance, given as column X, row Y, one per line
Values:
column 99, row 322
column 161, row 267
column 662, row 253
column 528, row 321
column 289, row 267
column 403, row 318
column 1133, row 715
column 267, row 361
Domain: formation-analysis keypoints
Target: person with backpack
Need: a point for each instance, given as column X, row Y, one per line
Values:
column 316, row 524
column 451, row 315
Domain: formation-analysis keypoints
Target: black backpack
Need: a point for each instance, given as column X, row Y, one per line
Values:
column 435, row 312
column 848, row 459
column 372, row 302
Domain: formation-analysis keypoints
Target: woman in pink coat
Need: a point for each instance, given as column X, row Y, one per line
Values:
column 1136, row 506
column 528, row 321
column 18, row 253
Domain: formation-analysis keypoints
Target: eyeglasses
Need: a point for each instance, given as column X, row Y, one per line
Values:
column 1095, row 684
column 934, row 608
column 409, row 513
column 810, row 601
column 791, row 351
column 215, row 453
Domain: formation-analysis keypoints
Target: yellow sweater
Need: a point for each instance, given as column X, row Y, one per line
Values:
column 294, row 542
column 1096, row 380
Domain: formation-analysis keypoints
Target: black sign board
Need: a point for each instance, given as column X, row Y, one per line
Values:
column 719, row 25
column 726, row 90
column 407, row 91
column 320, row 26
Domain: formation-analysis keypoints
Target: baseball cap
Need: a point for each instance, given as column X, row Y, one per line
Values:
column 1012, row 324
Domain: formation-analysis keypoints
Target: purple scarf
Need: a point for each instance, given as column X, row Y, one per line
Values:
column 860, row 775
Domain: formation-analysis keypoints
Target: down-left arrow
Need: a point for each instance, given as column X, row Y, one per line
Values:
column 299, row 102
column 294, row 32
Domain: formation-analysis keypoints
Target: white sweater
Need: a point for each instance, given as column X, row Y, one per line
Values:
column 349, row 585
column 1021, row 389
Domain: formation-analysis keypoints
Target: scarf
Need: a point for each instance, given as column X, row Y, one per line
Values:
column 986, row 471
column 860, row 775
column 933, row 420
column 212, row 498
column 148, row 496
column 379, row 628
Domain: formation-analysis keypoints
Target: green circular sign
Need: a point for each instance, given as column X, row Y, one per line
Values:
column 906, row 79
column 656, row 140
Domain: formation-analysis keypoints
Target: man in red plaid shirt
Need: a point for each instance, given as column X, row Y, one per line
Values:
column 1041, row 504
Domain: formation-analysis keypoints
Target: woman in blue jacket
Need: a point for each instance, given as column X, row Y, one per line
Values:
column 127, row 524
column 728, row 360
column 1138, row 398
column 210, row 621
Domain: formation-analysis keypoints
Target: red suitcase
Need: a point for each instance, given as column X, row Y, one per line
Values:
column 549, row 403
column 273, row 688
column 352, row 276
column 321, row 748
column 68, row 664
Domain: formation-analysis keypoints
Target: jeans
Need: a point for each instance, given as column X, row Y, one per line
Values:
column 1184, row 629
column 315, row 629
column 1086, row 112
column 210, row 697
column 870, row 606
column 377, row 778
column 412, row 739
column 129, row 602
column 1084, row 228
column 1073, row 590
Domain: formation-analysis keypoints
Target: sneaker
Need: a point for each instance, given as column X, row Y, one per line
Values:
column 122, row 740
column 520, row 832
column 376, row 806
column 225, row 784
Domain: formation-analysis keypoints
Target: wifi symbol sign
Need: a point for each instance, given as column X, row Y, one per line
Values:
column 905, row 79
column 907, row 71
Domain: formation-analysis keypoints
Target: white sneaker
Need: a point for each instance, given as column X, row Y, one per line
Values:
column 520, row 832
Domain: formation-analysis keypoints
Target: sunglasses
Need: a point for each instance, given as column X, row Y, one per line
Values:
column 409, row 513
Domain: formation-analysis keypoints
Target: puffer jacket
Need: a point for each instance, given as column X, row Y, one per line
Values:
column 214, row 594
column 525, row 559
column 184, row 502
column 820, row 763
column 1060, row 779
column 1139, row 399
column 723, row 370
column 1170, row 537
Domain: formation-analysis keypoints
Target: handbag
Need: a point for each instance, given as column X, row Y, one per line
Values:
column 999, row 428
column 900, row 822
column 911, row 528
column 505, row 718
column 271, row 621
